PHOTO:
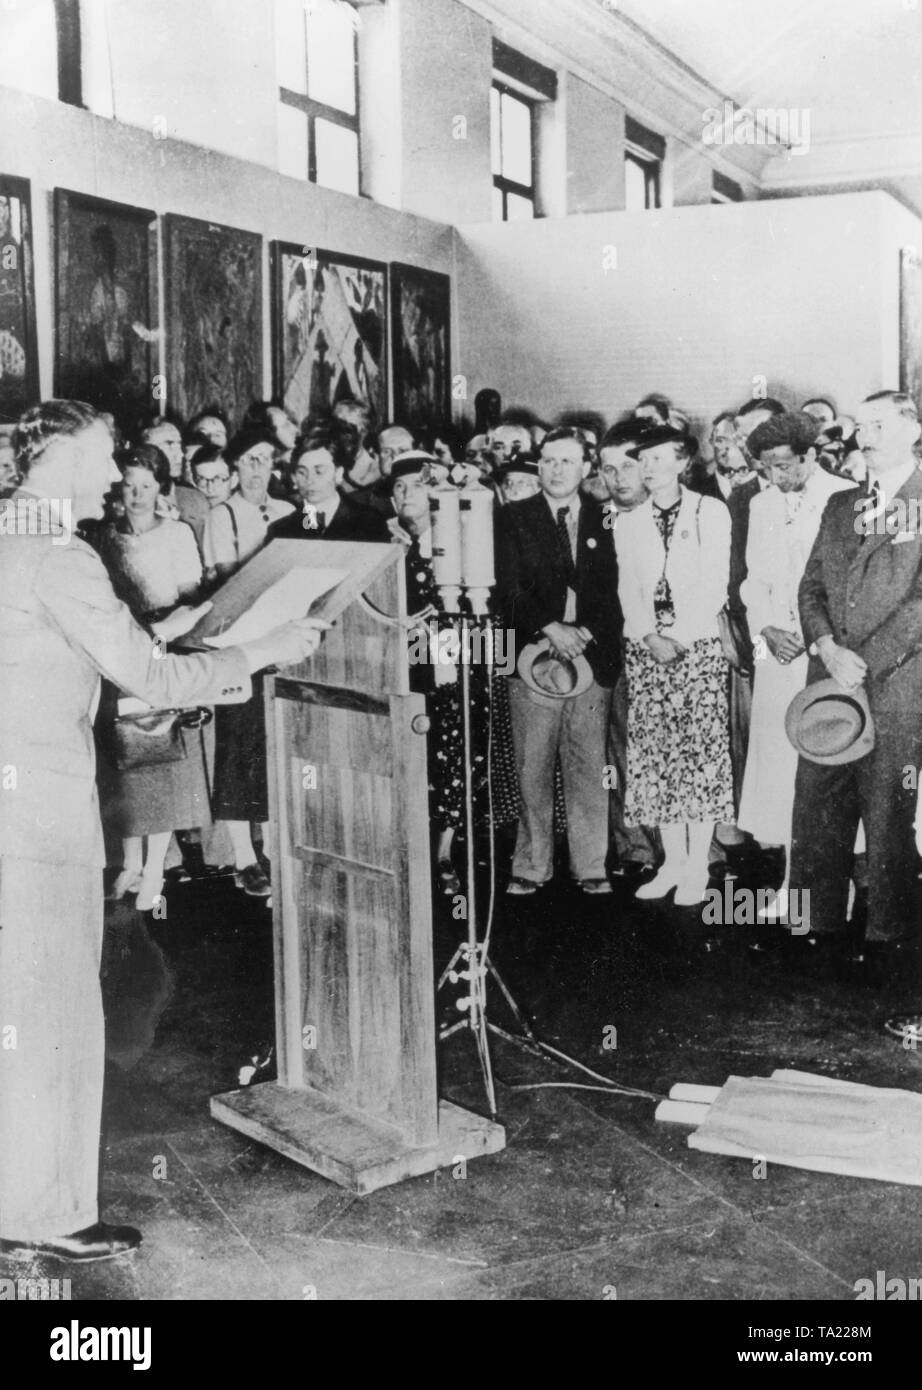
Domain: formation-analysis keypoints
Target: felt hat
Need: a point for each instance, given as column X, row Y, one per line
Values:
column 828, row 724
column 664, row 434
column 554, row 676
column 412, row 461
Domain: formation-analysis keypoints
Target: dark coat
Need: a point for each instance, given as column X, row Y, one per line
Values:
column 350, row 522
column 738, row 503
column 531, row 587
column 868, row 594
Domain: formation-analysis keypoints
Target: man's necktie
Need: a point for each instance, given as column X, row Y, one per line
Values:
column 873, row 510
column 563, row 544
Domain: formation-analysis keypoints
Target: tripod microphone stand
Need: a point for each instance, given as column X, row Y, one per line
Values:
column 471, row 961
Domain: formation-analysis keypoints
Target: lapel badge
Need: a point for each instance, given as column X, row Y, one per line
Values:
column 591, row 543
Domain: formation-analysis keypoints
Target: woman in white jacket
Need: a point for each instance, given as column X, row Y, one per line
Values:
column 674, row 564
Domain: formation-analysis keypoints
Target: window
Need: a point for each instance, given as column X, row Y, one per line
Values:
column 521, row 86
column 317, row 60
column 512, row 124
column 724, row 190
column 644, row 152
column 40, row 49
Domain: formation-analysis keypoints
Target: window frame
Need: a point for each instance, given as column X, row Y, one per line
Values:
column 319, row 110
column 652, row 169
column 724, row 189
column 70, row 56
column 501, row 183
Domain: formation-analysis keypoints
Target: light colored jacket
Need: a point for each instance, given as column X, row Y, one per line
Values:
column 61, row 628
column 697, row 567
column 778, row 548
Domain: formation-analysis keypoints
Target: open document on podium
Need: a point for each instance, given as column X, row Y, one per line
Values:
column 290, row 597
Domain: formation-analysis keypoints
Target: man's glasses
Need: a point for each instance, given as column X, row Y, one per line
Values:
column 206, row 483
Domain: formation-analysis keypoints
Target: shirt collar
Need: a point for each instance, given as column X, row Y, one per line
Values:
column 893, row 480
column 573, row 506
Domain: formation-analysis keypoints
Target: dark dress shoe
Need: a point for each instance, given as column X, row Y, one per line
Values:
column 99, row 1242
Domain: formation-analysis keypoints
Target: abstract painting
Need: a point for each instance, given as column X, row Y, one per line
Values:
column 18, row 352
column 213, row 317
column 106, row 332
column 329, row 330
column 421, row 310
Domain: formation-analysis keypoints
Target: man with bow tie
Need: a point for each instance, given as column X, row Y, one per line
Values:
column 861, row 616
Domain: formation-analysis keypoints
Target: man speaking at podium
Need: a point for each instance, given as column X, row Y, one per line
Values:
column 61, row 628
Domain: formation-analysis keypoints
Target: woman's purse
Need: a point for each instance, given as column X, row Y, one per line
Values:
column 731, row 627
column 154, row 737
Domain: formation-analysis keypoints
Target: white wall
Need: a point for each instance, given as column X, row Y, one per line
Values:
column 59, row 145
column 446, row 57
column 703, row 300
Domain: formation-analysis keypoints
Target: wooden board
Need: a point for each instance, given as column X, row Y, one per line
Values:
column 364, row 561
column 349, row 1149
column 353, row 920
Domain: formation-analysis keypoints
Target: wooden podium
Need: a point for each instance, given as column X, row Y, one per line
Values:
column 356, row 1096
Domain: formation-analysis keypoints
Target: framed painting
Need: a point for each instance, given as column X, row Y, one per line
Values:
column 18, row 351
column 214, row 327
column 421, row 336
column 911, row 323
column 329, row 330
column 106, row 336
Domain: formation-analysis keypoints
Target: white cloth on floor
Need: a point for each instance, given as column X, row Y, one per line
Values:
column 806, row 1121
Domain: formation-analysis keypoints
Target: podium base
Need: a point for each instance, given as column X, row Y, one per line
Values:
column 358, row 1153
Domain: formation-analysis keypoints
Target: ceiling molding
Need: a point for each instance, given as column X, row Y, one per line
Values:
column 841, row 160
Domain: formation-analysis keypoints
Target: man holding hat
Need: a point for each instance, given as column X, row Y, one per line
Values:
column 557, row 587
column 861, row 615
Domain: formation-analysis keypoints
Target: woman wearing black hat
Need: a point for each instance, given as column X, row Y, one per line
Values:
column 674, row 563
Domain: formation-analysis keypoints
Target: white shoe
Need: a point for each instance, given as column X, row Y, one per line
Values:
column 690, row 892
column 776, row 910
column 128, row 881
column 661, row 883
column 149, row 895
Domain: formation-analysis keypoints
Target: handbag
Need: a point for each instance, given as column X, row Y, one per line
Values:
column 154, row 737
column 735, row 640
column 732, row 628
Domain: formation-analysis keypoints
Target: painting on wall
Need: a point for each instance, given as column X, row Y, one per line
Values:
column 911, row 323
column 213, row 278
column 329, row 330
column 18, row 351
column 106, row 337
column 421, row 333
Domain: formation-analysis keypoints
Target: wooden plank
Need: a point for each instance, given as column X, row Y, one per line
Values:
column 285, row 929
column 413, row 907
column 312, row 693
column 359, row 1154
column 339, row 861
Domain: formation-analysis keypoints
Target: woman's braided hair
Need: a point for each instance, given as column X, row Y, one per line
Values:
column 42, row 424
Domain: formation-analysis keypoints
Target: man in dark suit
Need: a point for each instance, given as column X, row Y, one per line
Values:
column 557, row 578
column 861, row 615
column 317, row 471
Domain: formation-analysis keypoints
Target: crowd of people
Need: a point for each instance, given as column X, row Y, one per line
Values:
column 666, row 585
column 670, row 610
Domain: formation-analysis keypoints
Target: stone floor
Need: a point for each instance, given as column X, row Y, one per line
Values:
column 590, row 1200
